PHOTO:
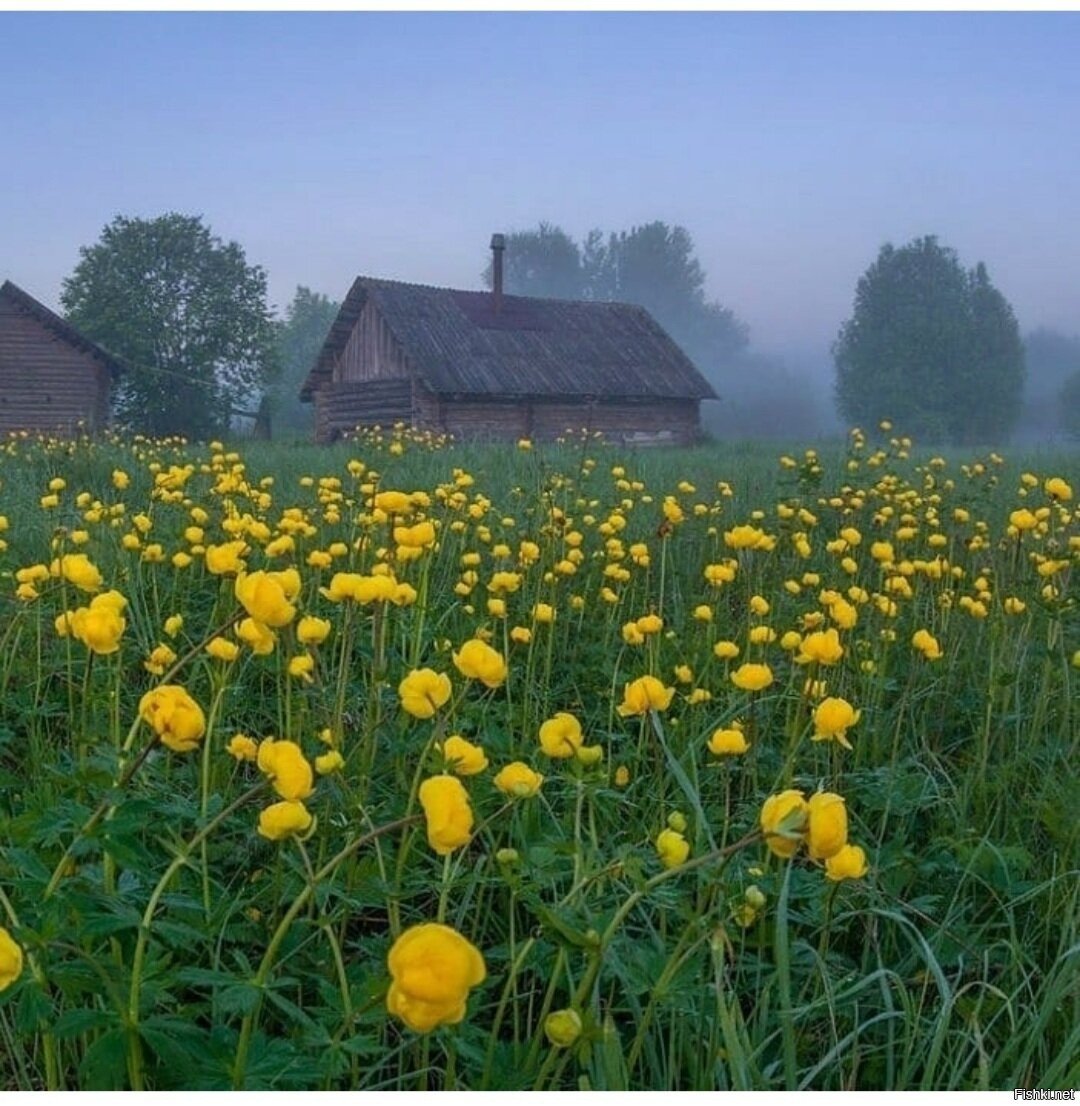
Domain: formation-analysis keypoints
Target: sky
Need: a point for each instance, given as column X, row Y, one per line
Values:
column 791, row 146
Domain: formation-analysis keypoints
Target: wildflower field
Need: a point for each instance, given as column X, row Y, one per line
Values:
column 403, row 764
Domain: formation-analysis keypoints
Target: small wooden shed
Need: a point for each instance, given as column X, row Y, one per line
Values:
column 52, row 378
column 488, row 365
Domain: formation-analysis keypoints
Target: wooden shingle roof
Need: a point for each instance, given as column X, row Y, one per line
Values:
column 60, row 327
column 456, row 344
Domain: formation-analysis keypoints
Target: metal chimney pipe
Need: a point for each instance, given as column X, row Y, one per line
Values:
column 498, row 244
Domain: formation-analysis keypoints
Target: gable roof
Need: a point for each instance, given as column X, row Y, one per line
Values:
column 60, row 327
column 456, row 343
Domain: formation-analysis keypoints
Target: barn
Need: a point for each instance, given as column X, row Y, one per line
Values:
column 52, row 378
column 489, row 365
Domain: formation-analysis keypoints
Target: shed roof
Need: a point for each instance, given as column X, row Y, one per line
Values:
column 457, row 343
column 60, row 327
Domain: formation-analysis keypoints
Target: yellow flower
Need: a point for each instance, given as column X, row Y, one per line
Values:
column 420, row 536
column 562, row 1028
column 927, row 644
column 822, row 647
column 174, row 716
column 161, row 656
column 729, row 742
column 1023, row 520
column 478, row 661
column 312, row 631
column 262, row 595
column 174, row 624
column 543, row 612
column 644, row 694
column 77, row 569
column 447, row 811
column 725, row 650
column 432, row 968
column 243, row 748
column 225, row 560
column 301, row 666
column 11, row 960
column 752, row 677
column 423, row 691
column 848, row 863
column 98, row 627
column 284, row 819
column 462, row 757
column 518, row 780
column 329, row 762
column 284, row 764
column 560, row 735
column 260, row 638
column 826, row 825
column 783, row 821
column 1057, row 489
column 221, row 649
column 672, row 848
column 833, row 717
column 622, row 776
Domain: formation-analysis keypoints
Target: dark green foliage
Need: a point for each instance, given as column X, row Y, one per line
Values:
column 932, row 347
column 1069, row 403
column 652, row 265
column 299, row 337
column 1052, row 359
column 186, row 313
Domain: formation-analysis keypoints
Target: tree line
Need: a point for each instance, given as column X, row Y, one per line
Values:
column 931, row 345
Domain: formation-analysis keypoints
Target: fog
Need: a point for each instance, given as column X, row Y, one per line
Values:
column 791, row 148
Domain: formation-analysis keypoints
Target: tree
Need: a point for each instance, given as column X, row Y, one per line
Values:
column 299, row 338
column 545, row 262
column 1051, row 358
column 933, row 347
column 185, row 312
column 652, row 265
column 1069, row 401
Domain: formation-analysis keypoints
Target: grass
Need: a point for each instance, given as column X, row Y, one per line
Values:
column 166, row 944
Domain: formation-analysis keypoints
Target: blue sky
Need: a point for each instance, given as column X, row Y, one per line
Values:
column 790, row 145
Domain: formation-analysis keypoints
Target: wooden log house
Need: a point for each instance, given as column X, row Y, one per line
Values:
column 490, row 365
column 52, row 378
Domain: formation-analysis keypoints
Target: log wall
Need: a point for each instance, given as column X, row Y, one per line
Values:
column 341, row 408
column 371, row 353
column 47, row 384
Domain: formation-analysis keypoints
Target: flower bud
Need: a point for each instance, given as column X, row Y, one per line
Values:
column 507, row 856
column 677, row 821
column 562, row 1027
column 590, row 754
column 754, row 896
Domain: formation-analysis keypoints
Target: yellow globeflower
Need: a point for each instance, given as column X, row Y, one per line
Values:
column 518, row 780
column 226, row 560
column 848, row 863
column 221, row 649
column 284, row 764
column 783, row 821
column 329, row 762
column 927, row 644
column 78, row 569
column 728, row 742
column 284, row 819
column 161, row 656
column 543, row 613
column 263, row 596
column 260, row 638
column 1057, row 489
column 11, row 960
column 560, row 735
column 644, row 694
column 672, row 848
column 752, row 677
column 479, row 661
column 312, row 631
column 447, row 812
column 826, row 825
column 833, row 717
column 562, row 1028
column 432, row 968
column 242, row 748
column 725, row 650
column 462, row 757
column 423, row 691
column 99, row 628
column 821, row 647
column 174, row 716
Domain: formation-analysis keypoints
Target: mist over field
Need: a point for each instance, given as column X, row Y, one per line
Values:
column 789, row 148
